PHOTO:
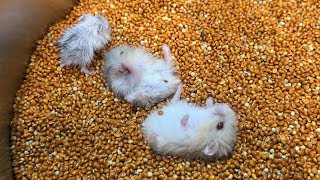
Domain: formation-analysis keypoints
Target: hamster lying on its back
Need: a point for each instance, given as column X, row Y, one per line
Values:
column 78, row 43
column 184, row 129
column 140, row 77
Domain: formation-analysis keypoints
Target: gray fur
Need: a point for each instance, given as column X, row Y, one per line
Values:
column 78, row 43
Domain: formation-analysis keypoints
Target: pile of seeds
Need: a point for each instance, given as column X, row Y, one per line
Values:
column 261, row 56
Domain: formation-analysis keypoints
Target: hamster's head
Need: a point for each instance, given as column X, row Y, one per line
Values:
column 103, row 21
column 219, row 132
column 98, row 22
column 89, row 19
column 104, row 26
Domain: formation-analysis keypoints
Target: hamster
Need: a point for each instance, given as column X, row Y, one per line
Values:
column 184, row 129
column 78, row 43
column 138, row 76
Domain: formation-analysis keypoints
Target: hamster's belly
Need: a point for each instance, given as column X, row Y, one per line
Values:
column 168, row 125
column 122, row 86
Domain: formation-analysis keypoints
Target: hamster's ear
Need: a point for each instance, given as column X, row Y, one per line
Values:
column 209, row 102
column 100, row 17
column 83, row 17
column 184, row 121
column 103, row 25
column 135, row 95
column 209, row 150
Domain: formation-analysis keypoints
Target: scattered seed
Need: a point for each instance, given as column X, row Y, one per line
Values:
column 160, row 112
column 252, row 55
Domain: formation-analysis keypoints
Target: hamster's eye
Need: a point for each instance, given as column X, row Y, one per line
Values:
column 121, row 52
column 220, row 126
column 165, row 81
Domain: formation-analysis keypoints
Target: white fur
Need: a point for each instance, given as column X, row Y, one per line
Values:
column 200, row 139
column 145, row 85
column 78, row 43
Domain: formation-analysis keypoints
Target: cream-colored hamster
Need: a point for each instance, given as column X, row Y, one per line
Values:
column 138, row 76
column 184, row 129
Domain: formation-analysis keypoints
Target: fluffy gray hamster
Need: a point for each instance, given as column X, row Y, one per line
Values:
column 184, row 129
column 138, row 76
column 78, row 43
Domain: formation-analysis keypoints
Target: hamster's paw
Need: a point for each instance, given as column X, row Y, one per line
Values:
column 148, row 105
column 86, row 71
column 62, row 65
column 210, row 150
column 166, row 48
column 134, row 96
column 177, row 95
column 167, row 54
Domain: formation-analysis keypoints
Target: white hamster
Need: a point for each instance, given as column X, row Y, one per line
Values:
column 138, row 76
column 187, row 130
column 78, row 43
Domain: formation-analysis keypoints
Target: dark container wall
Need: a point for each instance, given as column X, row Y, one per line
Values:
column 22, row 23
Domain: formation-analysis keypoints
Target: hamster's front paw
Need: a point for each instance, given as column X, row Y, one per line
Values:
column 62, row 65
column 86, row 71
column 134, row 96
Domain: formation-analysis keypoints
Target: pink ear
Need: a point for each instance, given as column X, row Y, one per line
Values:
column 209, row 150
column 184, row 121
column 135, row 95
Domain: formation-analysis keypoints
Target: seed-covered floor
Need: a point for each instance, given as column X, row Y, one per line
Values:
column 262, row 57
